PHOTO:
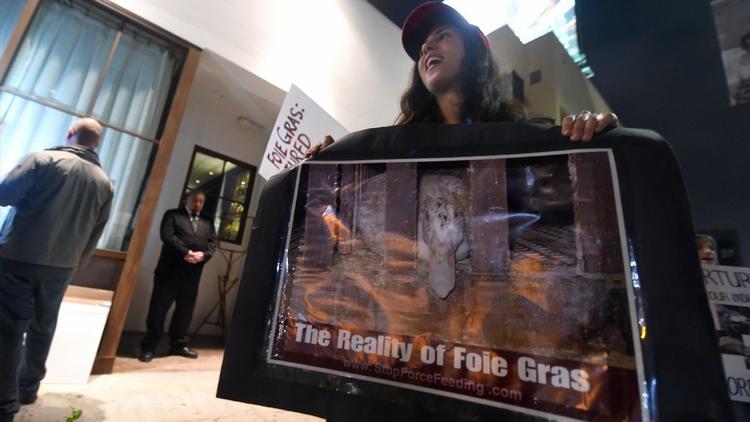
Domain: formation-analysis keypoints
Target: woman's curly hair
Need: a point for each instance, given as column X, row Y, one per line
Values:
column 482, row 89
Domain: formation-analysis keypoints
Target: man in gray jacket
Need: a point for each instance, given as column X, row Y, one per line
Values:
column 61, row 199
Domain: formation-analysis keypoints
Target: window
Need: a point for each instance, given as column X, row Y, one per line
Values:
column 9, row 14
column 535, row 77
column 77, row 59
column 228, row 185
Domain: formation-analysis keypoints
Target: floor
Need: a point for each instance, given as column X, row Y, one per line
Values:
column 168, row 389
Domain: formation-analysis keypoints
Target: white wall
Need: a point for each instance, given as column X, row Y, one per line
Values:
column 508, row 51
column 574, row 92
column 344, row 54
column 542, row 95
column 562, row 84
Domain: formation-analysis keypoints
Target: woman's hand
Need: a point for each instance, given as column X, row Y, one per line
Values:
column 582, row 127
column 328, row 140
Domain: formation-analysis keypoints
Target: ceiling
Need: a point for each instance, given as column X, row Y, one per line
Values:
column 396, row 10
column 245, row 99
column 237, row 91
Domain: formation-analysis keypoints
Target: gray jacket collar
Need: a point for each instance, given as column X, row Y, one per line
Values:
column 81, row 151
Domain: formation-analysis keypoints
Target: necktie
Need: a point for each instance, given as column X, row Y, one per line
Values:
column 194, row 222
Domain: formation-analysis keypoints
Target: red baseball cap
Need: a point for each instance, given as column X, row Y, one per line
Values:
column 427, row 16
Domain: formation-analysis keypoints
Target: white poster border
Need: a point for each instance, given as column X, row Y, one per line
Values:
column 635, row 330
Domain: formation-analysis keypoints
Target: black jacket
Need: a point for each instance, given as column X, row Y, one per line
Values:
column 178, row 237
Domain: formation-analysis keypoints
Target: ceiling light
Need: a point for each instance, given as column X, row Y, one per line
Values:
column 248, row 122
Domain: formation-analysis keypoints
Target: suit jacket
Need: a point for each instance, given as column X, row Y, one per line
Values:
column 178, row 237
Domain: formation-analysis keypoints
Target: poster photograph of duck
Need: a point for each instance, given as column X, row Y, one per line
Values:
column 500, row 280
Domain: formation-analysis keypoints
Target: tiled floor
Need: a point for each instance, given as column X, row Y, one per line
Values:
column 168, row 389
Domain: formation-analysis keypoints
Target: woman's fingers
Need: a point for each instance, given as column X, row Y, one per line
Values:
column 314, row 150
column 589, row 127
column 579, row 125
column 328, row 140
column 567, row 124
column 584, row 125
column 607, row 120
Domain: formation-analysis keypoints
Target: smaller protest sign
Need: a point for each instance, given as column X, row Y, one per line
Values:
column 728, row 290
column 301, row 124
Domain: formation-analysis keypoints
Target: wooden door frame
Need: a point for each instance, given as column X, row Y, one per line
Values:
column 105, row 358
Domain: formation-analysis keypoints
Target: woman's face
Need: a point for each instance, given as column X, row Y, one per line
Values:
column 707, row 254
column 441, row 59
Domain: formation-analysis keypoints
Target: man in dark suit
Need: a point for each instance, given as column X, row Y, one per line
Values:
column 189, row 241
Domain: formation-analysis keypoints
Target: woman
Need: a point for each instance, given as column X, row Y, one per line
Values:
column 455, row 79
column 706, row 249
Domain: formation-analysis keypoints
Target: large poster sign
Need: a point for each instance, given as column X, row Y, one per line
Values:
column 732, row 19
column 728, row 290
column 497, row 280
column 300, row 125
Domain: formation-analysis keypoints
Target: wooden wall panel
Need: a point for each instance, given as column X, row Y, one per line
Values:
column 102, row 271
column 15, row 39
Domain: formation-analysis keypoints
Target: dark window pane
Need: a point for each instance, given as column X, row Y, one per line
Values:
column 227, row 217
column 206, row 174
column 232, row 221
column 228, row 188
column 209, row 209
column 237, row 182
